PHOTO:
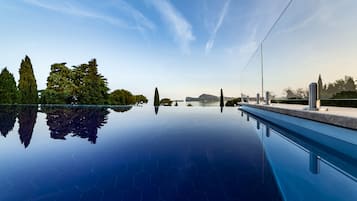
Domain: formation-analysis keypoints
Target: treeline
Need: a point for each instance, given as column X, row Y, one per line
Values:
column 25, row 92
column 340, row 89
column 81, row 84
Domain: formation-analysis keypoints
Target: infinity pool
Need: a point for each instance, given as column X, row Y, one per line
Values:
column 173, row 153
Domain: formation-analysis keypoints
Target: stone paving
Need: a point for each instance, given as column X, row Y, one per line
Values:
column 338, row 116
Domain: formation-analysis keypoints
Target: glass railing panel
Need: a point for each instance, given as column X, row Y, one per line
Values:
column 251, row 76
column 312, row 41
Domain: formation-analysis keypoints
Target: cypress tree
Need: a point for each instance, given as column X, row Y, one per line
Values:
column 320, row 86
column 222, row 99
column 156, row 98
column 8, row 89
column 27, row 83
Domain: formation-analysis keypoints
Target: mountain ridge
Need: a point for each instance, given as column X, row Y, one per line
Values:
column 207, row 98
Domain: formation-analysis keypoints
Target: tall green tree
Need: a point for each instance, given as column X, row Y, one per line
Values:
column 60, row 86
column 92, row 86
column 320, row 86
column 221, row 99
column 156, row 98
column 349, row 84
column 79, row 72
column 27, row 83
column 8, row 89
column 140, row 99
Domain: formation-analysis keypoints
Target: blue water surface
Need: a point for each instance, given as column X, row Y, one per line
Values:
column 171, row 153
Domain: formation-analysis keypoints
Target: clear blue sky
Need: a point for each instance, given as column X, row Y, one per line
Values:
column 183, row 47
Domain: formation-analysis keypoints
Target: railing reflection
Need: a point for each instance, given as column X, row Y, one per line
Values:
column 314, row 163
column 316, row 152
column 301, row 164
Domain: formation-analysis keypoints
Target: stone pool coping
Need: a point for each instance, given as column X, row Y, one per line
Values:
column 342, row 117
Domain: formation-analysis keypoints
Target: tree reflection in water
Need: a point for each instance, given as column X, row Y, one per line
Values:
column 27, row 120
column 7, row 119
column 81, row 122
column 121, row 108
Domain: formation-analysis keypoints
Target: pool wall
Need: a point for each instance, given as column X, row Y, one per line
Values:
column 337, row 138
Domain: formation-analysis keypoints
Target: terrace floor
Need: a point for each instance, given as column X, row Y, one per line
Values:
column 338, row 116
column 340, row 111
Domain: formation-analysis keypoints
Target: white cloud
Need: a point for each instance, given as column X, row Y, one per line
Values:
column 178, row 24
column 70, row 9
column 140, row 19
column 222, row 15
column 312, row 14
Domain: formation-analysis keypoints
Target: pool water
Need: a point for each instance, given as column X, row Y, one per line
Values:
column 170, row 153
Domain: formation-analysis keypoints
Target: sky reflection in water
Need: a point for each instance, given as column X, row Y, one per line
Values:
column 174, row 153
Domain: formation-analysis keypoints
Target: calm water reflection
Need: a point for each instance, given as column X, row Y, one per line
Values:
column 177, row 153
column 7, row 119
column 81, row 122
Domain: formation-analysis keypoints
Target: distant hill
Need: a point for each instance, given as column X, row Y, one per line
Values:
column 206, row 98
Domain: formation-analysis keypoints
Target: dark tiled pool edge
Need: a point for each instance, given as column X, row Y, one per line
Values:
column 336, row 120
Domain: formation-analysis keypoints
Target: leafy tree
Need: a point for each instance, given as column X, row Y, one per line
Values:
column 156, row 98
column 83, row 85
column 345, row 95
column 349, row 84
column 331, row 90
column 300, row 93
column 140, row 99
column 290, row 94
column 27, row 83
column 233, row 102
column 342, row 88
column 121, row 97
column 92, row 87
column 8, row 89
column 166, row 102
column 79, row 72
column 60, row 86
